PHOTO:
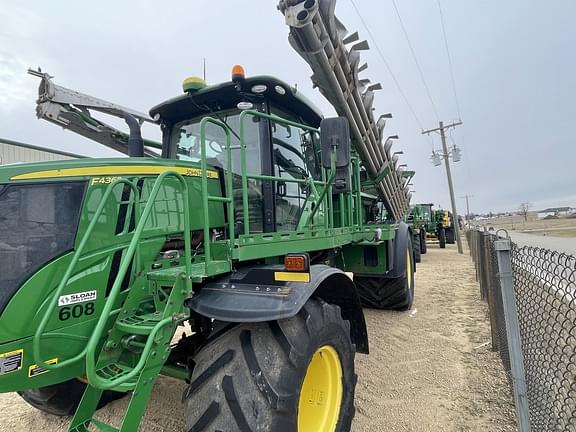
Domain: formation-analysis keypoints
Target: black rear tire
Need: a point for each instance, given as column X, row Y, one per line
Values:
column 417, row 248
column 250, row 378
column 389, row 294
column 423, row 246
column 63, row 399
column 450, row 238
column 442, row 238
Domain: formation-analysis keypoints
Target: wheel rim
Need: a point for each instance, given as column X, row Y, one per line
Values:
column 321, row 393
column 409, row 268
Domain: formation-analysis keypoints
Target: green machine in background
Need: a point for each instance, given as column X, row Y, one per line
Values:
column 444, row 224
column 240, row 225
column 438, row 224
column 420, row 219
column 427, row 223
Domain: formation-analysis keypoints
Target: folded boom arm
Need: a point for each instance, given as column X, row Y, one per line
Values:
column 72, row 110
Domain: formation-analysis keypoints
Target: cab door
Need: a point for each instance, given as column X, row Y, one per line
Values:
column 294, row 159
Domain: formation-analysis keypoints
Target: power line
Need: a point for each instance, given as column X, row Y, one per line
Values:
column 431, row 142
column 416, row 60
column 387, row 65
column 449, row 59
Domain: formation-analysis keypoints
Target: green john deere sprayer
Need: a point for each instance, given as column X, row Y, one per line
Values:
column 443, row 227
column 239, row 227
column 419, row 218
column 437, row 225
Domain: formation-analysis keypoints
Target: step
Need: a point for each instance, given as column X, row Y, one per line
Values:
column 139, row 324
column 103, row 427
column 170, row 274
column 198, row 271
column 116, row 371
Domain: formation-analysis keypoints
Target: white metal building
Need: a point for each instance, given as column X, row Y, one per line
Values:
column 17, row 152
column 556, row 211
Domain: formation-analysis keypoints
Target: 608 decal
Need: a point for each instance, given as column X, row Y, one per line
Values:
column 75, row 311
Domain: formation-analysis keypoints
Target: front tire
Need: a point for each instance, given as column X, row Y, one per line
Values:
column 281, row 376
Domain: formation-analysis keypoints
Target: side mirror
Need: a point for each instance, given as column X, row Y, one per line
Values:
column 334, row 132
column 335, row 137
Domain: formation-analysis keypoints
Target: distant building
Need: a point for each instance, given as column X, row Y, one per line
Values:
column 556, row 211
column 17, row 152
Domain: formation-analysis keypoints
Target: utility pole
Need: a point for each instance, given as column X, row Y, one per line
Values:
column 467, row 205
column 442, row 128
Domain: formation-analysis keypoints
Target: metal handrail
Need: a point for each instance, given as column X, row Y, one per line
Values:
column 91, row 372
column 246, row 176
column 36, row 351
column 229, row 200
column 105, row 383
column 285, row 179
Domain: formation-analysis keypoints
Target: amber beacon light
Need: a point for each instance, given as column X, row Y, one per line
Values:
column 238, row 73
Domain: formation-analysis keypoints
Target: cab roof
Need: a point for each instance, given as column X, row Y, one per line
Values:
column 227, row 95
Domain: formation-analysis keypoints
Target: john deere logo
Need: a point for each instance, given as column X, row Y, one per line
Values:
column 81, row 297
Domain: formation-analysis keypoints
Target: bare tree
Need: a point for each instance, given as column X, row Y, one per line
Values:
column 524, row 209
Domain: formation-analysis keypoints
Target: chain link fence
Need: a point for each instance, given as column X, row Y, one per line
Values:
column 531, row 293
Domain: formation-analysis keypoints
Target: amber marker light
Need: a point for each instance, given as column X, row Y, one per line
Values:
column 297, row 262
column 296, row 269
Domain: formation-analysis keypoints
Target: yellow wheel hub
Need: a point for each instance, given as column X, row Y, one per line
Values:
column 321, row 394
column 409, row 268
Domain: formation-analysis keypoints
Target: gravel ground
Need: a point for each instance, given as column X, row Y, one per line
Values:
column 429, row 369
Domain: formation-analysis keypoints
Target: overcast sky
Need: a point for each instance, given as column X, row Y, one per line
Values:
column 514, row 63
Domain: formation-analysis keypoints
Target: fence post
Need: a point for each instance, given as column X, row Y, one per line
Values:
column 482, row 265
column 474, row 249
column 502, row 248
column 490, row 275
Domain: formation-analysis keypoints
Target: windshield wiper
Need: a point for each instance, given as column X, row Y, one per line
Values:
column 227, row 125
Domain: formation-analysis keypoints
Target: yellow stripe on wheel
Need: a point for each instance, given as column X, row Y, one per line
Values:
column 321, row 393
column 409, row 267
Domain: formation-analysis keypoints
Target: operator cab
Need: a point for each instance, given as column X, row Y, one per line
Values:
column 272, row 149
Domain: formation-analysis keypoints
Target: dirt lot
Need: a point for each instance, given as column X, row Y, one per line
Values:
column 554, row 234
column 429, row 369
column 561, row 227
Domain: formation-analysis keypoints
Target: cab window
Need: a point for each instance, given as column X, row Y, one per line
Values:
column 294, row 158
column 185, row 138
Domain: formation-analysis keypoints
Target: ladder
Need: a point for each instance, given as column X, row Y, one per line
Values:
column 131, row 340
column 127, row 363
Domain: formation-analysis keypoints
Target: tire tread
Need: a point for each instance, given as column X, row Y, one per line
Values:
column 257, row 389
